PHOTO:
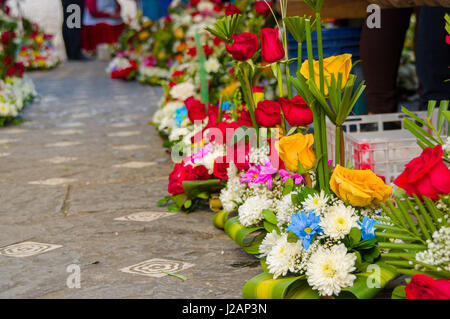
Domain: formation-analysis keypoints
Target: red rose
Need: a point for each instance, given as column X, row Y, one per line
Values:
column 225, row 128
column 176, row 179
column 268, row 113
column 192, row 52
column 244, row 46
column 271, row 47
column 206, row 49
column 7, row 36
column 124, row 73
column 424, row 287
column 177, row 74
column 231, row 9
column 262, row 8
column 213, row 116
column 245, row 118
column 239, row 154
column 7, row 60
column 196, row 109
column 257, row 89
column 217, row 41
column 426, row 175
column 221, row 167
column 200, row 173
column 296, row 111
column 183, row 173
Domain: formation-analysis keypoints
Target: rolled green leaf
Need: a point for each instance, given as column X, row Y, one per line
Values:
column 220, row 218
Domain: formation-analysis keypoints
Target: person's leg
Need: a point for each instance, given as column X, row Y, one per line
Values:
column 380, row 51
column 72, row 36
column 433, row 55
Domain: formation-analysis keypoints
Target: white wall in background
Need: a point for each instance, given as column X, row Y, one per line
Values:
column 48, row 14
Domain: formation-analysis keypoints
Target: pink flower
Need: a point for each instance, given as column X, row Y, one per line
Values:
column 259, row 174
column 250, row 176
column 286, row 174
column 266, row 173
column 201, row 153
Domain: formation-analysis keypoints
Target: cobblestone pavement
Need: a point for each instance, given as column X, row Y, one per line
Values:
column 85, row 158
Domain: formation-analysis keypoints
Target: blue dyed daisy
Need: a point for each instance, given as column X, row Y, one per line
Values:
column 227, row 105
column 367, row 228
column 305, row 226
column 180, row 115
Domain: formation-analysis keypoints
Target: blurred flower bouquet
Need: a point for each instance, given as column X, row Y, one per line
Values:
column 16, row 91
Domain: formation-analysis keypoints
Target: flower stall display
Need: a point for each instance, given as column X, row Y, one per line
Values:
column 250, row 137
column 16, row 90
column 35, row 48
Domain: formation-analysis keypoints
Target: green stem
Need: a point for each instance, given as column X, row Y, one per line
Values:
column 280, row 81
column 280, row 93
column 322, row 90
column 251, row 103
column 320, row 52
column 299, row 57
column 316, row 114
column 337, row 149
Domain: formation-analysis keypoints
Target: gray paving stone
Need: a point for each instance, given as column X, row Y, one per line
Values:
column 79, row 215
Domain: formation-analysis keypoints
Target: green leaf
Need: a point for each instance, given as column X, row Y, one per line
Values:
column 269, row 227
column 187, row 204
column 164, row 200
column 269, row 216
column 354, row 235
column 239, row 234
column 263, row 286
column 399, row 293
column 288, row 186
column 220, row 218
column 175, row 275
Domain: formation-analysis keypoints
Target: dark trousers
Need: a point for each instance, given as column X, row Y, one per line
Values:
column 72, row 36
column 380, row 51
column 433, row 55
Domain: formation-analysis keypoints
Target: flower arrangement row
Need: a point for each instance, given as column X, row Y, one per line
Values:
column 16, row 90
column 241, row 139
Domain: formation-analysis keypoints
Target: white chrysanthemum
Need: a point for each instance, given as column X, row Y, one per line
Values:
column 330, row 269
column 338, row 220
column 284, row 256
column 212, row 65
column 269, row 242
column 250, row 213
column 284, row 209
column 182, row 91
column 316, row 203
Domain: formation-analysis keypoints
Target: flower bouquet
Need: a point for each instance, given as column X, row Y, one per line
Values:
column 35, row 48
column 16, row 91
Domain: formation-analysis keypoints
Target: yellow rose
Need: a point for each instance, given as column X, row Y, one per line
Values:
column 332, row 65
column 179, row 33
column 147, row 23
column 229, row 89
column 39, row 39
column 144, row 35
column 297, row 148
column 359, row 187
column 161, row 55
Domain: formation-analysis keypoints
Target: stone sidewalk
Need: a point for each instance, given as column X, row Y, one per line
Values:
column 73, row 178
